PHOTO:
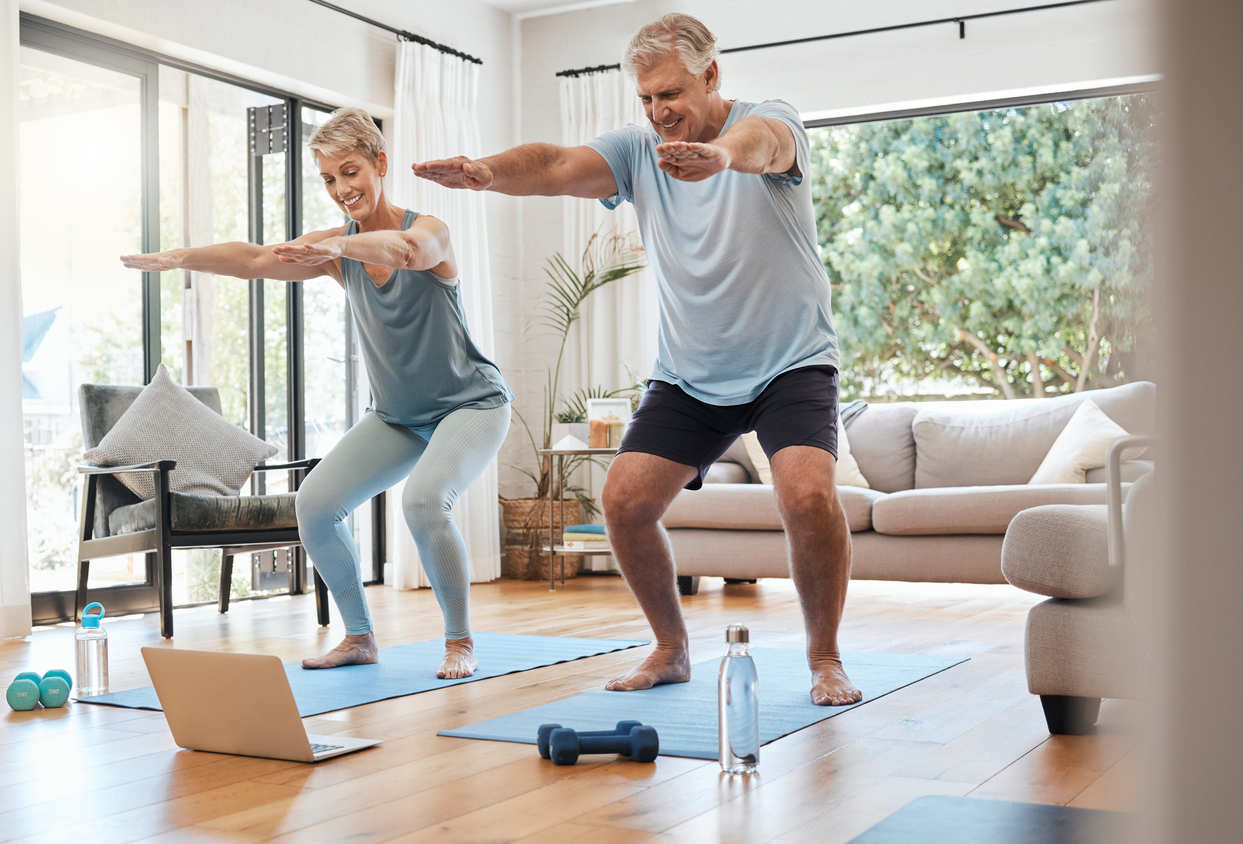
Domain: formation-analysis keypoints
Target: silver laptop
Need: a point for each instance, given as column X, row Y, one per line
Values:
column 236, row 703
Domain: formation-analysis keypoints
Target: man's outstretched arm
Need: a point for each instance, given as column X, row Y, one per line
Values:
column 527, row 170
column 752, row 145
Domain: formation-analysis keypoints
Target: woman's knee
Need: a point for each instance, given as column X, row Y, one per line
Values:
column 424, row 506
column 317, row 502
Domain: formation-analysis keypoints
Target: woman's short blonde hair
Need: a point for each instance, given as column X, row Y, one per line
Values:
column 347, row 130
column 674, row 34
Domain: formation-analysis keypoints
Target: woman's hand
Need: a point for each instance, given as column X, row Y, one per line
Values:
column 310, row 254
column 153, row 262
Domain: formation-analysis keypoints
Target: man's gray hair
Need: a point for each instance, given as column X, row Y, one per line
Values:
column 674, row 34
column 347, row 130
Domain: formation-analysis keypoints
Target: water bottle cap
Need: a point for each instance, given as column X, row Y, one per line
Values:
column 737, row 633
column 92, row 620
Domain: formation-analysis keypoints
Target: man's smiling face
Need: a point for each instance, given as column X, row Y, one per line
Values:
column 677, row 103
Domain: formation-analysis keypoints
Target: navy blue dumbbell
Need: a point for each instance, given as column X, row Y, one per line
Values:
column 641, row 744
column 623, row 728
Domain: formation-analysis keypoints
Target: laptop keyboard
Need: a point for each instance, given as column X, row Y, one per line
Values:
column 324, row 748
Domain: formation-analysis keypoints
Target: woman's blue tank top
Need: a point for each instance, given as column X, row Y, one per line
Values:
column 420, row 358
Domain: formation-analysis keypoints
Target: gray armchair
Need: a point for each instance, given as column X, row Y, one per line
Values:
column 1082, row 644
column 114, row 521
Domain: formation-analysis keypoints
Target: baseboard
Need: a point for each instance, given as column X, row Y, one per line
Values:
column 15, row 621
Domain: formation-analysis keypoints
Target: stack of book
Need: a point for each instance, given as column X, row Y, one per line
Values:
column 584, row 537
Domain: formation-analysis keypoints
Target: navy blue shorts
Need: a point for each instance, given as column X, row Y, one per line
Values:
column 798, row 407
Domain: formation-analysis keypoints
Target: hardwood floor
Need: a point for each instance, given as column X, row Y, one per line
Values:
column 114, row 775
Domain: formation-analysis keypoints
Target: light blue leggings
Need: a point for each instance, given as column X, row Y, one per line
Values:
column 441, row 461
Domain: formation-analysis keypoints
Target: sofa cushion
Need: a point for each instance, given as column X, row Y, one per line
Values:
column 972, row 509
column 1081, row 446
column 726, row 472
column 990, row 443
column 882, row 443
column 754, row 507
column 210, row 512
column 1060, row 551
column 737, row 453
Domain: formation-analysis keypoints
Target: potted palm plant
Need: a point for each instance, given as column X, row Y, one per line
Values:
column 606, row 259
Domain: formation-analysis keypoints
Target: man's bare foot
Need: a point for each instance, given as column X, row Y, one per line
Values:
column 664, row 665
column 459, row 659
column 829, row 684
column 353, row 650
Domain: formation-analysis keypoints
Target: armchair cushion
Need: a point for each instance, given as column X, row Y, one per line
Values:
column 165, row 422
column 191, row 512
column 1060, row 550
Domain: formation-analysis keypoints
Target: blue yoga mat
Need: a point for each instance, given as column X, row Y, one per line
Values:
column 685, row 714
column 407, row 670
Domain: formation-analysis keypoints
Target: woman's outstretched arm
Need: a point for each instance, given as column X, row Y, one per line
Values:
column 241, row 260
column 423, row 246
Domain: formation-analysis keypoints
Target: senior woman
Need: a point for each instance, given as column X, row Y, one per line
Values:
column 440, row 408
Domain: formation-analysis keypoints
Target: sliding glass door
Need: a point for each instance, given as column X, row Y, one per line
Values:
column 82, row 201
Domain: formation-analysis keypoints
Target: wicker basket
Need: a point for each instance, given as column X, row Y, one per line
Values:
column 526, row 533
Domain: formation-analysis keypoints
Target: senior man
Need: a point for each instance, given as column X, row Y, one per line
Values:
column 746, row 336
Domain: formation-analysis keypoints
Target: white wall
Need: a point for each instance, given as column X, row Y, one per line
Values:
column 14, row 569
column 1054, row 50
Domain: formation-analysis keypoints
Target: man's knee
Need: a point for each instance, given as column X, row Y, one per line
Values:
column 628, row 503
column 811, row 506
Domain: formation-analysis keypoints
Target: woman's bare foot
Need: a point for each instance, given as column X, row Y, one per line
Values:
column 459, row 659
column 353, row 650
column 829, row 684
column 664, row 665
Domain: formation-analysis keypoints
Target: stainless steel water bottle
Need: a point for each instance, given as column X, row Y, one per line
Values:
column 739, row 704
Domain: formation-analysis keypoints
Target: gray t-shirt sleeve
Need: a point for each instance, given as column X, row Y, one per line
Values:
column 620, row 148
column 783, row 111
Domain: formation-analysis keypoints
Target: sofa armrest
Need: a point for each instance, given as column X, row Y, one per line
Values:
column 1113, row 492
column 1060, row 551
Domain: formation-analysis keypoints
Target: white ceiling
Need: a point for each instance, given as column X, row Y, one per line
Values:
column 535, row 8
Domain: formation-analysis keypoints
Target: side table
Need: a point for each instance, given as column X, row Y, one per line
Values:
column 556, row 458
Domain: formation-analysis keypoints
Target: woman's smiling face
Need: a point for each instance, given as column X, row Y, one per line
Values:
column 354, row 183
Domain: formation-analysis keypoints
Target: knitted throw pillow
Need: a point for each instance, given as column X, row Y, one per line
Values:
column 165, row 422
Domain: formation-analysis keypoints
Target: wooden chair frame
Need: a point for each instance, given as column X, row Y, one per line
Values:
column 162, row 539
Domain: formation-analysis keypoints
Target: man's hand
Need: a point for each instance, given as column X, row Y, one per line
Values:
column 459, row 172
column 153, row 262
column 692, row 162
column 310, row 254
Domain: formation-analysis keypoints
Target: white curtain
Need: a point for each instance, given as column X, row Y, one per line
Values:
column 436, row 117
column 617, row 329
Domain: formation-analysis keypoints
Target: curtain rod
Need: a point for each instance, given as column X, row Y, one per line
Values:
column 401, row 34
column 961, row 20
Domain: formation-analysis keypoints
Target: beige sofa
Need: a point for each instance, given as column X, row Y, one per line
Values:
column 946, row 479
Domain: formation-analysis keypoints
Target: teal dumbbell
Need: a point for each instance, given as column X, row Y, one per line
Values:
column 23, row 693
column 54, row 690
column 28, row 690
column 62, row 674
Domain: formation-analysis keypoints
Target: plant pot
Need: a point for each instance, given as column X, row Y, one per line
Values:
column 526, row 534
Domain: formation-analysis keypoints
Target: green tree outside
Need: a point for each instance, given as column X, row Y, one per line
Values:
column 1008, row 248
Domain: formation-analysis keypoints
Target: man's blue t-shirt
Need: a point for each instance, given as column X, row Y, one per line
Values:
column 743, row 295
